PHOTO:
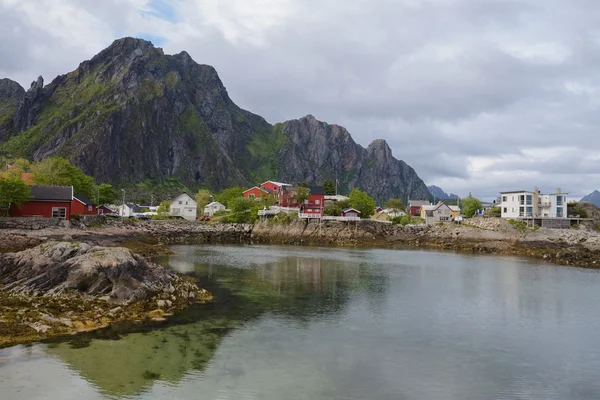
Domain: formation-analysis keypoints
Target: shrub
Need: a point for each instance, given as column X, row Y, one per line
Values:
column 521, row 226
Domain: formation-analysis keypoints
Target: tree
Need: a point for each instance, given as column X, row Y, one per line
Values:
column 227, row 196
column 164, row 210
column 302, row 194
column 58, row 171
column 13, row 190
column 106, row 194
column 395, row 204
column 333, row 209
column 22, row 164
column 470, row 206
column 203, row 198
column 242, row 204
column 329, row 187
column 362, row 202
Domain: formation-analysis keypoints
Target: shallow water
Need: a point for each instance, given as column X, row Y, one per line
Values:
column 309, row 323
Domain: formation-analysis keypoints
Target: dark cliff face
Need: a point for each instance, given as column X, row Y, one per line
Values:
column 316, row 151
column 11, row 94
column 133, row 113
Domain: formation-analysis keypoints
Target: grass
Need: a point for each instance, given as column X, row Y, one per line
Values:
column 521, row 226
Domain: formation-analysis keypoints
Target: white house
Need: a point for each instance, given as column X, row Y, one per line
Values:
column 440, row 212
column 129, row 210
column 184, row 206
column 212, row 208
column 526, row 204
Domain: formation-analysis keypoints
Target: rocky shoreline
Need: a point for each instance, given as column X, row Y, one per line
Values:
column 61, row 288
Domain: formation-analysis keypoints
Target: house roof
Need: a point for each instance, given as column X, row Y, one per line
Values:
column 186, row 194
column 345, row 210
column 454, row 208
column 214, row 203
column 52, row 193
column 418, row 203
column 338, row 197
column 429, row 207
column 83, row 200
column 277, row 183
column 256, row 187
column 317, row 190
column 516, row 191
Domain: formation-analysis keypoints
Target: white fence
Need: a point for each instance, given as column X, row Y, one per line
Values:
column 327, row 218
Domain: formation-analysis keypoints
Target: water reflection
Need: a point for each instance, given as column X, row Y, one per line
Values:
column 308, row 323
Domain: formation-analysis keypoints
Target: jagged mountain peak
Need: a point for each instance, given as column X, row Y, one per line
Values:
column 593, row 198
column 132, row 113
column 10, row 89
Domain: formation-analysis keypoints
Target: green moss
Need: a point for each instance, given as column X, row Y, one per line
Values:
column 264, row 148
column 60, row 111
column 149, row 89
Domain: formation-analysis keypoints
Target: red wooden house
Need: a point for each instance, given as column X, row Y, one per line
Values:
column 103, row 210
column 274, row 187
column 315, row 205
column 350, row 212
column 81, row 205
column 414, row 207
column 47, row 202
column 255, row 193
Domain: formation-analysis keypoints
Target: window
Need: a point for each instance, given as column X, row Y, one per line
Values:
column 559, row 200
column 521, row 211
column 503, row 198
column 505, row 210
column 89, row 208
column 317, row 202
column 251, row 196
column 529, row 199
column 521, row 199
column 559, row 212
column 59, row 212
column 530, row 211
column 181, row 202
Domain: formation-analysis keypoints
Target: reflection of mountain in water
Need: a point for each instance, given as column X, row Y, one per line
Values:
column 132, row 363
column 247, row 283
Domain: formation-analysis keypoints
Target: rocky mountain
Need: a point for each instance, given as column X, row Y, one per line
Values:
column 439, row 194
column 133, row 113
column 593, row 198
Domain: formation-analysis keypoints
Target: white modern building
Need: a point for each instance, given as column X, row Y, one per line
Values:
column 533, row 204
column 212, row 208
column 184, row 206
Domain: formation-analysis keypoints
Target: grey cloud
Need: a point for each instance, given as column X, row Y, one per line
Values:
column 442, row 81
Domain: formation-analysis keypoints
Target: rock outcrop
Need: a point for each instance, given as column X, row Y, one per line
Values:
column 133, row 113
column 315, row 151
column 54, row 269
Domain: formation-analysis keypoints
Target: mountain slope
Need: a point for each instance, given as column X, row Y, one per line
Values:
column 439, row 193
column 315, row 151
column 133, row 113
column 11, row 93
column 593, row 198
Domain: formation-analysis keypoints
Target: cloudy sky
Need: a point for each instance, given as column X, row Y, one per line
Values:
column 477, row 95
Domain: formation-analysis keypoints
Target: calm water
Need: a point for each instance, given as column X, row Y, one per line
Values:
column 304, row 323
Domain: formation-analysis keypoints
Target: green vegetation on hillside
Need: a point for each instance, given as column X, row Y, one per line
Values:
column 264, row 148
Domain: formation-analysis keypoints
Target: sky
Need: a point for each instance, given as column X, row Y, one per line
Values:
column 479, row 96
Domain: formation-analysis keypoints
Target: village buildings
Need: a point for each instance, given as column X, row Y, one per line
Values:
column 184, row 206
column 433, row 214
column 81, row 205
column 533, row 204
column 213, row 208
column 414, row 207
column 46, row 202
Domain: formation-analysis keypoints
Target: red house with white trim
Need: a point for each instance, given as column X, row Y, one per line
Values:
column 255, row 193
column 81, row 205
column 46, row 202
column 315, row 205
column 274, row 187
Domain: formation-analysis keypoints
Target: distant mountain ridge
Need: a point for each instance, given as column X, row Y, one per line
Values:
column 593, row 198
column 132, row 113
column 439, row 194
